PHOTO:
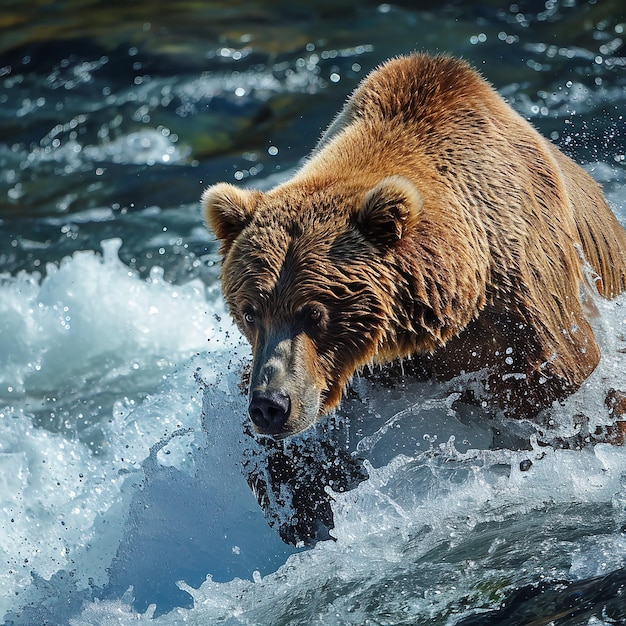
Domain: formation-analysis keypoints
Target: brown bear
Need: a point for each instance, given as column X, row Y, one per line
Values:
column 432, row 222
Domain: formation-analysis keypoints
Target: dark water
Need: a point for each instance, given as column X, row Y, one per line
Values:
column 114, row 116
column 116, row 108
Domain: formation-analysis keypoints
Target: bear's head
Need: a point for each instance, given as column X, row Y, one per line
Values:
column 309, row 272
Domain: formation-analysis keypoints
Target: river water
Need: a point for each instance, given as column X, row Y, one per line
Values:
column 124, row 458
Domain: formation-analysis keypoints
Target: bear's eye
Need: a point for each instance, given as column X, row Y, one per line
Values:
column 315, row 314
column 248, row 317
column 311, row 316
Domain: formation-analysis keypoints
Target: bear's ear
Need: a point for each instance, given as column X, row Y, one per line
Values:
column 228, row 210
column 389, row 210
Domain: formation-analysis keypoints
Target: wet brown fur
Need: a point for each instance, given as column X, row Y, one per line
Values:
column 431, row 221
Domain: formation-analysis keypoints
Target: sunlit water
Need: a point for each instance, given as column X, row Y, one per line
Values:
column 123, row 493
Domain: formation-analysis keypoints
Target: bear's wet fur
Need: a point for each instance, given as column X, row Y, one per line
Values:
column 431, row 222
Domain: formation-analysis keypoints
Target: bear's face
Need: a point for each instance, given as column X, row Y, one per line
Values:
column 300, row 282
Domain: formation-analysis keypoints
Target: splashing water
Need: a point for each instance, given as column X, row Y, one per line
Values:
column 124, row 458
column 432, row 533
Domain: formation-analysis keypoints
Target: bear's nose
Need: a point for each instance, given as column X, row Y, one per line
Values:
column 269, row 411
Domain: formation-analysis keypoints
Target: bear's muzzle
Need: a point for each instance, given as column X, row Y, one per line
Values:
column 269, row 411
column 285, row 396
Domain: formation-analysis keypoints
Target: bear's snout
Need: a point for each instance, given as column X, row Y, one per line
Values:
column 284, row 396
column 269, row 411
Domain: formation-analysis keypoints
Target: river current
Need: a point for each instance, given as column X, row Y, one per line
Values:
column 124, row 452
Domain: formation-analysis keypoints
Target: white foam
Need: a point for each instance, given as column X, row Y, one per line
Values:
column 431, row 528
column 93, row 310
column 90, row 323
column 451, row 523
column 390, row 528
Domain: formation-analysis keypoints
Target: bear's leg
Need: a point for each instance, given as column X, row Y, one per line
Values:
column 616, row 432
column 290, row 479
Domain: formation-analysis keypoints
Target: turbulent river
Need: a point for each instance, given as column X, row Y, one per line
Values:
column 124, row 452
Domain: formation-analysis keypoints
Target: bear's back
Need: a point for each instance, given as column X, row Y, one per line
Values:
column 418, row 87
column 419, row 92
